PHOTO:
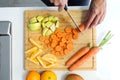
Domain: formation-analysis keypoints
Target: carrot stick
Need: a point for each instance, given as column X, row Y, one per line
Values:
column 86, row 57
column 76, row 56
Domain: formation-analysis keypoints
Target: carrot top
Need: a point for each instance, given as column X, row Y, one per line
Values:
column 107, row 37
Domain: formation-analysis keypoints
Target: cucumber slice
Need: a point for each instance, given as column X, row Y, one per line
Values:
column 57, row 24
column 48, row 24
column 55, row 19
column 34, row 26
column 43, row 25
column 40, row 18
column 51, row 18
column 44, row 31
column 48, row 33
column 33, row 20
column 53, row 27
column 45, row 19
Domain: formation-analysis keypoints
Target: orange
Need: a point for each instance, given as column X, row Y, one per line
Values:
column 48, row 75
column 33, row 75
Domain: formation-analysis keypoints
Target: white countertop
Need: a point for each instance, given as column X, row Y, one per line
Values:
column 107, row 59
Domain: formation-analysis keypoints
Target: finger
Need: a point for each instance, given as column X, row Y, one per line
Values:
column 61, row 7
column 90, row 19
column 51, row 1
column 95, row 21
column 66, row 2
column 101, row 19
column 56, row 2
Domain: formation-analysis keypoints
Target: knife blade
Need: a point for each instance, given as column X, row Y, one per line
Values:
column 66, row 9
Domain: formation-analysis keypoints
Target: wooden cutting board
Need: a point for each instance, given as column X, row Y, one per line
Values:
column 85, row 37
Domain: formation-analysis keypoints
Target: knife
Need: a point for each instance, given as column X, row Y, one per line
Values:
column 66, row 9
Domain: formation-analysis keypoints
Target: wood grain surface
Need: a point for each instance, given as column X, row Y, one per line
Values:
column 85, row 37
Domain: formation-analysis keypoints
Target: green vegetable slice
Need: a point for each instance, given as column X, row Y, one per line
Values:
column 33, row 20
column 34, row 26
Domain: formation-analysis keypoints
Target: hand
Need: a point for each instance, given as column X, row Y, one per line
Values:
column 60, row 3
column 96, row 13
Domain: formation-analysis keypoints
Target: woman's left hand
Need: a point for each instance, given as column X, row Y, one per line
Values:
column 60, row 3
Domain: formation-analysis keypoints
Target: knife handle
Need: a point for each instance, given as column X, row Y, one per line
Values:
column 65, row 8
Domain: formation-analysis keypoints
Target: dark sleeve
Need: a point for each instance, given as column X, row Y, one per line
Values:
column 70, row 2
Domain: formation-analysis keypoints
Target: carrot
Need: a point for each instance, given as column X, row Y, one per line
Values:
column 91, row 52
column 53, row 51
column 69, row 36
column 42, row 38
column 61, row 44
column 58, row 48
column 66, row 51
column 59, row 34
column 82, row 26
column 57, row 53
column 46, row 41
column 83, row 59
column 61, row 53
column 75, row 36
column 68, row 29
column 70, row 46
column 76, row 56
column 53, row 44
column 63, row 40
column 60, row 41
column 56, row 31
column 45, row 46
column 53, row 36
column 74, row 31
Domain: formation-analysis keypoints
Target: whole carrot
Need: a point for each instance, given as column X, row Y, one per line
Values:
column 83, row 59
column 91, row 52
column 78, row 55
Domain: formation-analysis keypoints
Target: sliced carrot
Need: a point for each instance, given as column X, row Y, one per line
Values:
column 64, row 34
column 58, row 48
column 53, row 51
column 56, row 31
column 61, row 44
column 63, row 40
column 68, row 29
column 65, row 46
column 53, row 44
column 42, row 38
column 70, row 46
column 69, row 42
column 66, row 51
column 75, row 31
column 46, row 41
column 61, row 53
column 57, row 53
column 75, row 36
column 45, row 46
column 53, row 36
column 48, row 46
column 69, row 36
column 82, row 26
column 59, row 34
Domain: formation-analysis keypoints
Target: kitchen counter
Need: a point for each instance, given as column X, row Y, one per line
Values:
column 107, row 59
